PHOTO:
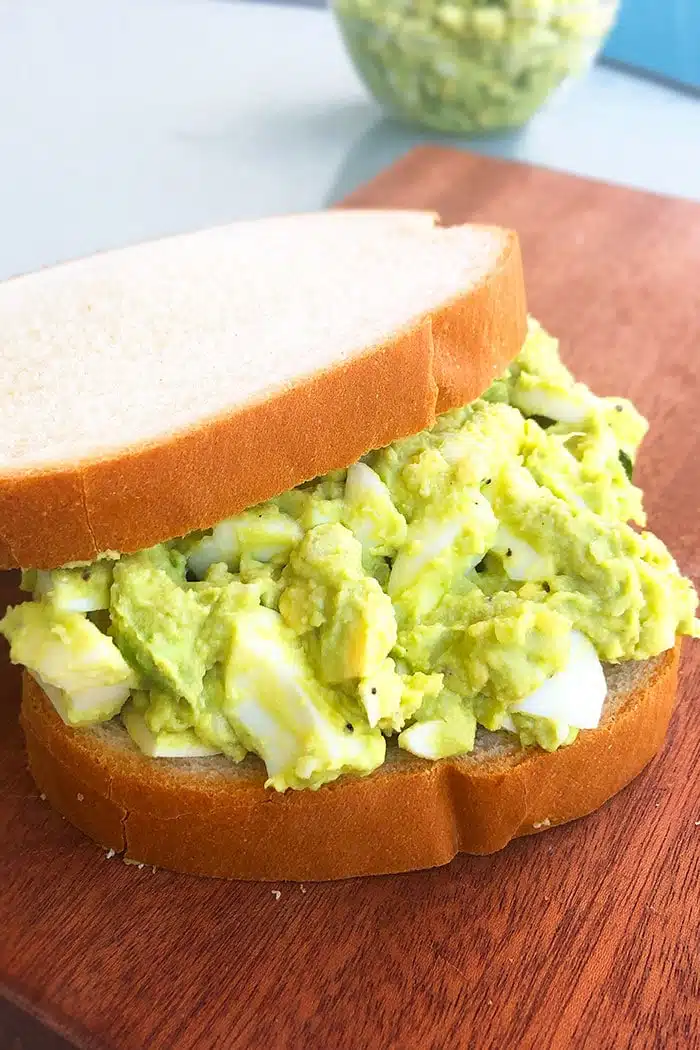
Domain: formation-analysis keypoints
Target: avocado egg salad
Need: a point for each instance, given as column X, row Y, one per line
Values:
column 475, row 574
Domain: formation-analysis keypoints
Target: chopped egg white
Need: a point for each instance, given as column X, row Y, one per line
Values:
column 221, row 546
column 69, row 592
column 574, row 696
column 360, row 480
column 282, row 713
column 425, row 739
column 265, row 538
column 85, row 706
column 538, row 402
column 277, row 744
column 370, row 512
column 424, row 549
column 80, row 603
column 520, row 559
column 71, row 653
column 163, row 745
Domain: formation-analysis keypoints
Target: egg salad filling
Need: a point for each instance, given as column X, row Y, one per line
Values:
column 475, row 574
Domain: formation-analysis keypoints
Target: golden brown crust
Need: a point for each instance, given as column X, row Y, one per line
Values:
column 489, row 323
column 211, row 818
column 195, row 478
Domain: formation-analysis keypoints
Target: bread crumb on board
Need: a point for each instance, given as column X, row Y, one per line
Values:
column 277, row 894
column 42, row 796
column 542, row 824
column 80, row 797
column 110, row 853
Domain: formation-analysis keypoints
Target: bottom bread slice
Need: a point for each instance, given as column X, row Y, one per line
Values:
column 211, row 817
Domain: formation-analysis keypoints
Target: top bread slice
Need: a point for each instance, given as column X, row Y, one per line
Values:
column 157, row 389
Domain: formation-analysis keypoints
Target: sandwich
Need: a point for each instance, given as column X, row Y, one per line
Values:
column 332, row 566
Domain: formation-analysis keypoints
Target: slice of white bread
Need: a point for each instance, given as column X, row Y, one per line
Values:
column 210, row 817
column 158, row 389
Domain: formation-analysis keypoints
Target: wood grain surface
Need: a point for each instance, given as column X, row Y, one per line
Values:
column 586, row 936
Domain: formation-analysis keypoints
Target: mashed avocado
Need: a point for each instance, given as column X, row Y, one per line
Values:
column 475, row 574
column 465, row 65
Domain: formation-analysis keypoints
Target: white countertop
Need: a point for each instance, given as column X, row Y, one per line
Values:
column 128, row 119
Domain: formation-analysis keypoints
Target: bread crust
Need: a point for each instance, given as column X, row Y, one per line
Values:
column 209, row 817
column 153, row 492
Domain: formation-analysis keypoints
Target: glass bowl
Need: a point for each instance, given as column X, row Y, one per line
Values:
column 465, row 66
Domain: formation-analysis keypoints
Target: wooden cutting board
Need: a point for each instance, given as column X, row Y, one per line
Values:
column 587, row 936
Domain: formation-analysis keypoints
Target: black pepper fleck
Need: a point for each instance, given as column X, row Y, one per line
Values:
column 350, row 727
column 509, row 553
column 546, row 587
column 373, row 691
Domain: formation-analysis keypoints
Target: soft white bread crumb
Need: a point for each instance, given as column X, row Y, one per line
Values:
column 128, row 346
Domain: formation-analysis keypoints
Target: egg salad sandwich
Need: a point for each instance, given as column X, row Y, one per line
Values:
column 332, row 567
